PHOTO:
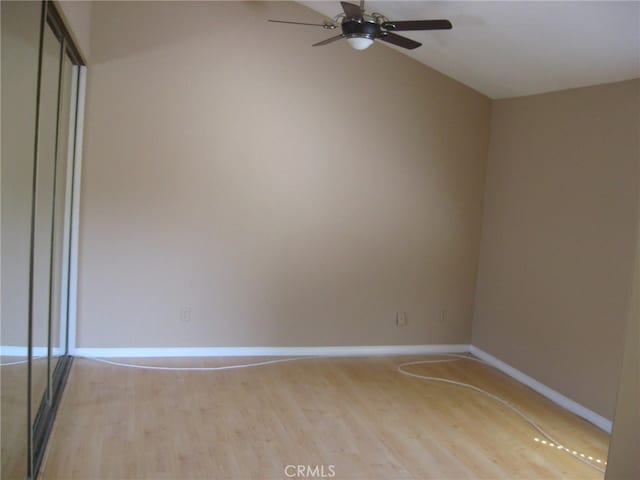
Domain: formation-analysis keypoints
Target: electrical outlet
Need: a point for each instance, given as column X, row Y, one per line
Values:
column 185, row 314
column 401, row 319
column 442, row 318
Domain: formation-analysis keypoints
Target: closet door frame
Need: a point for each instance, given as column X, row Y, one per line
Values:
column 40, row 426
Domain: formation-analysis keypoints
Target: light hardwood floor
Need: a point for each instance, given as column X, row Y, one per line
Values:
column 13, row 410
column 357, row 414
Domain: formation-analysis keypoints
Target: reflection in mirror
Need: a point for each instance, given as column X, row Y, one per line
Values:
column 40, row 72
column 20, row 32
column 44, row 211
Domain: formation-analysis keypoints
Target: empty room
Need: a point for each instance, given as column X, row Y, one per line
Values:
column 386, row 240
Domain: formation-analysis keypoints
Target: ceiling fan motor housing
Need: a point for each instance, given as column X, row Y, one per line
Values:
column 366, row 27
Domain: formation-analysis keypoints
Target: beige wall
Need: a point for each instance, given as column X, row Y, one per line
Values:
column 558, row 238
column 20, row 43
column 624, row 462
column 288, row 195
column 77, row 17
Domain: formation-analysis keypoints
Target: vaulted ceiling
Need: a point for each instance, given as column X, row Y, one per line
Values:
column 513, row 48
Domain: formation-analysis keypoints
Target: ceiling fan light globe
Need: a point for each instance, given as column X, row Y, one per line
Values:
column 360, row 43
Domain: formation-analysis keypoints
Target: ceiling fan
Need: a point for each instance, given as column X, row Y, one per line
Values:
column 361, row 29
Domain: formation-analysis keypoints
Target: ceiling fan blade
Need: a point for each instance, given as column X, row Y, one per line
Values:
column 398, row 40
column 329, row 26
column 418, row 25
column 328, row 40
column 351, row 10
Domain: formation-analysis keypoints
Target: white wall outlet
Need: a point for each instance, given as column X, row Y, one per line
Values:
column 185, row 314
column 401, row 319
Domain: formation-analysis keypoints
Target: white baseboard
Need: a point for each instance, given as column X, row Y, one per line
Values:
column 345, row 351
column 564, row 402
column 22, row 351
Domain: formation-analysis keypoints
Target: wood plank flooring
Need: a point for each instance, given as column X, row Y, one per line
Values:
column 13, row 410
column 358, row 415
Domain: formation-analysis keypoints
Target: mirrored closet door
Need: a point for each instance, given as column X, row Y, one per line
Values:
column 20, row 45
column 41, row 75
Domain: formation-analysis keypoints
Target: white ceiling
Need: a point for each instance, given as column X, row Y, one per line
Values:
column 512, row 48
